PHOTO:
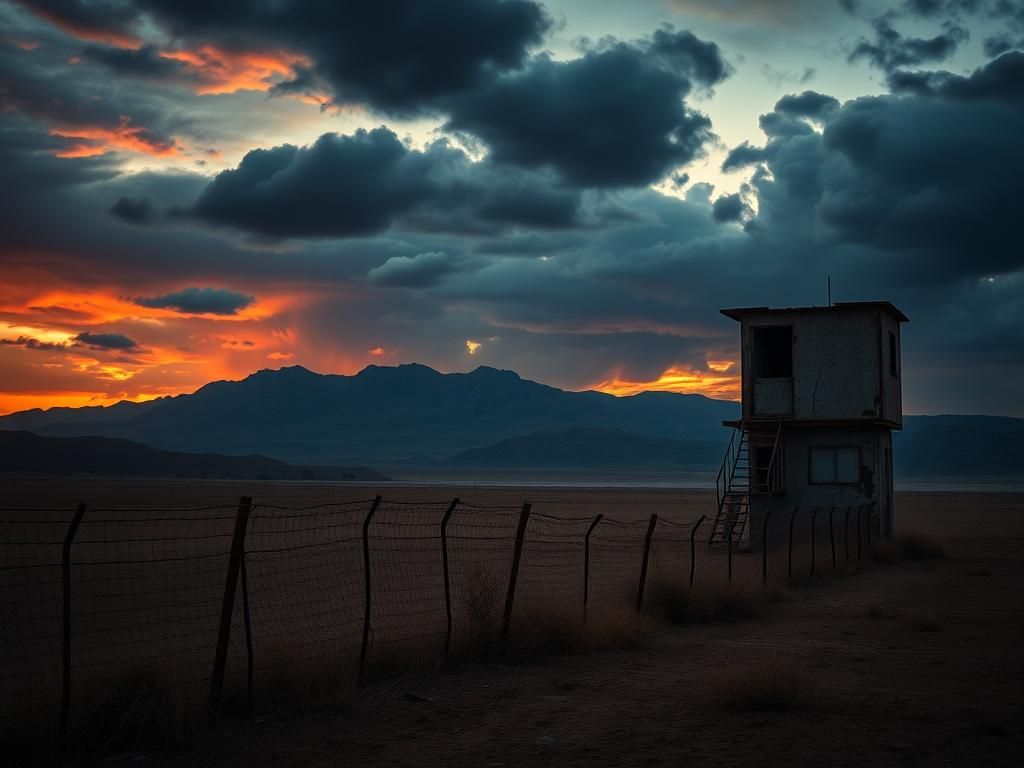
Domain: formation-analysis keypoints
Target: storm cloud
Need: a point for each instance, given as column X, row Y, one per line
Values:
column 213, row 301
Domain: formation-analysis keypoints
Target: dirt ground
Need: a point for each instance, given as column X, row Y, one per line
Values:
column 917, row 663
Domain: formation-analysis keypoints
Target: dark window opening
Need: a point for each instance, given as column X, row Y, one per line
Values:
column 834, row 465
column 893, row 357
column 773, row 352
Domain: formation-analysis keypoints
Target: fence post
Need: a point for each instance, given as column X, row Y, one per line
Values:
column 366, row 583
column 832, row 535
column 517, row 553
column 586, row 565
column 693, row 548
column 247, row 619
column 643, row 563
column 447, row 582
column 814, row 525
column 764, row 546
column 846, row 539
column 65, row 691
column 227, row 608
column 792, row 519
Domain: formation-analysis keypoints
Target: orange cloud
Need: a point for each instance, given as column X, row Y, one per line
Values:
column 376, row 351
column 83, row 31
column 222, row 71
column 91, row 141
column 677, row 379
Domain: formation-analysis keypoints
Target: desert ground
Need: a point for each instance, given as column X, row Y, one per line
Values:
column 912, row 662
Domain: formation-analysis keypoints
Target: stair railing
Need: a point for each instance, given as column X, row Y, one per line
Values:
column 726, row 470
column 773, row 477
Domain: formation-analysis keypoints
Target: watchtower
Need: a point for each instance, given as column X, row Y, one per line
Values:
column 821, row 392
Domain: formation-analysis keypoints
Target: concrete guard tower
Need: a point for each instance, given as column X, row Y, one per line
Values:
column 821, row 392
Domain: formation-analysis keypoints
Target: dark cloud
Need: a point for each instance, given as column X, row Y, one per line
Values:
column 344, row 186
column 417, row 271
column 614, row 117
column 1000, row 80
column 728, row 208
column 806, row 104
column 105, row 340
column 399, row 56
column 134, row 210
column 891, row 50
column 143, row 62
column 29, row 343
column 212, row 301
column 743, row 156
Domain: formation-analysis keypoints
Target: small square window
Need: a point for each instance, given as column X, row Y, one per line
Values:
column 839, row 465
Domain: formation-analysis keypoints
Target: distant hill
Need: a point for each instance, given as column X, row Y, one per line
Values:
column 411, row 415
column 587, row 448
column 22, row 451
column 380, row 415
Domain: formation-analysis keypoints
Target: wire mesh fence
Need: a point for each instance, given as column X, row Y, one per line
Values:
column 113, row 618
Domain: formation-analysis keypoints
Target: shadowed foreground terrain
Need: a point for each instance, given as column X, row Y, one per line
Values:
column 912, row 663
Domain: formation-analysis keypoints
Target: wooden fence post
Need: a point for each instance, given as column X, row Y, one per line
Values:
column 447, row 581
column 517, row 553
column 792, row 520
column 814, row 517
column 643, row 563
column 65, row 691
column 228, row 603
column 693, row 548
column 586, row 565
column 366, row 584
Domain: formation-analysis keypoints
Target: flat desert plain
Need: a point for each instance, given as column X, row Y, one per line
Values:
column 913, row 663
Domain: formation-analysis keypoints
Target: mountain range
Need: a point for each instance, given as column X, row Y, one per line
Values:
column 412, row 415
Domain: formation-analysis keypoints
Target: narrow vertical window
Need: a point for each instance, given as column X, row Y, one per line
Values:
column 893, row 357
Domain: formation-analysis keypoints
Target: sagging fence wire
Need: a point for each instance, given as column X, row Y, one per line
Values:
column 111, row 616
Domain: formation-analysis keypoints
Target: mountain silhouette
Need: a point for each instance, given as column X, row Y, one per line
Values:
column 413, row 415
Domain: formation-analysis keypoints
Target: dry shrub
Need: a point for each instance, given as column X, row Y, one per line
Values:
column 913, row 546
column 149, row 708
column 772, row 684
column 679, row 604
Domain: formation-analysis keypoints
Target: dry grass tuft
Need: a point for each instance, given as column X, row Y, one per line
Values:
column 150, row 708
column 772, row 685
column 678, row 604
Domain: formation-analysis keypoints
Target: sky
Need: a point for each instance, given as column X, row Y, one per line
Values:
column 572, row 189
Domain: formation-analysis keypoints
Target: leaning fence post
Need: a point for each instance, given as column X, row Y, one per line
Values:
column 366, row 584
column 227, row 608
column 643, row 563
column 586, row 565
column 832, row 535
column 792, row 520
column 693, row 548
column 447, row 581
column 764, row 546
column 65, row 691
column 814, row 517
column 846, row 539
column 517, row 553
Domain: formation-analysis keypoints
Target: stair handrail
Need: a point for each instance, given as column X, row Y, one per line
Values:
column 725, row 471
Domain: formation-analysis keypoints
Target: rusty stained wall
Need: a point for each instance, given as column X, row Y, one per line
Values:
column 839, row 366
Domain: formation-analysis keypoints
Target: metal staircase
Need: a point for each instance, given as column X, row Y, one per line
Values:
column 739, row 484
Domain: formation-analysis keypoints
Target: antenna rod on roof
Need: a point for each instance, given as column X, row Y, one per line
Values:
column 830, row 290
